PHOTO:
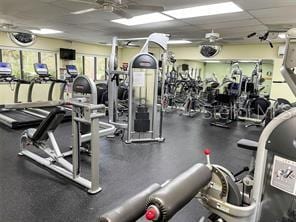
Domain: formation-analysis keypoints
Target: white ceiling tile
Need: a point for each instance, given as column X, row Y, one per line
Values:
column 96, row 26
column 281, row 12
column 218, row 18
column 263, row 4
column 233, row 24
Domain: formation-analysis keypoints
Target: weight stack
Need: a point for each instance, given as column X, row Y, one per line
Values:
column 142, row 120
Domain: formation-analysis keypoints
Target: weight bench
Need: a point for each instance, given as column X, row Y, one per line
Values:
column 249, row 145
column 49, row 124
column 54, row 159
column 38, row 138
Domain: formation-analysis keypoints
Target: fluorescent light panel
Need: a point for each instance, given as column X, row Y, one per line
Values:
column 175, row 42
column 45, row 31
column 143, row 19
column 204, row 10
column 83, row 11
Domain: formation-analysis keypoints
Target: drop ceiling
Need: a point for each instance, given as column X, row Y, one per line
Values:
column 95, row 27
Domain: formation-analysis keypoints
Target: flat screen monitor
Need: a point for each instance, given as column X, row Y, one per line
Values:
column 67, row 54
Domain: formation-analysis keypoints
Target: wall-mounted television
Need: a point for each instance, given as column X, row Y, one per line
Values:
column 67, row 54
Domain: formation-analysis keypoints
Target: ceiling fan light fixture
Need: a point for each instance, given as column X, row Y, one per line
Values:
column 204, row 10
column 83, row 11
column 143, row 19
column 45, row 31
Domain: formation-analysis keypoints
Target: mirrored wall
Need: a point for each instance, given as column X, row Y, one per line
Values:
column 221, row 69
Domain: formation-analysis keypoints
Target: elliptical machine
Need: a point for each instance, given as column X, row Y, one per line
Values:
column 225, row 106
column 253, row 106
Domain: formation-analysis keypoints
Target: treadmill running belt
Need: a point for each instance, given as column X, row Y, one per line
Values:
column 67, row 117
column 16, row 119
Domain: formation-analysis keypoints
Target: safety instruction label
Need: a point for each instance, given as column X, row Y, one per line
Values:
column 284, row 175
column 139, row 79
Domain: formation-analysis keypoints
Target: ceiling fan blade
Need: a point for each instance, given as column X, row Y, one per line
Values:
column 265, row 36
column 146, row 8
column 15, row 29
column 204, row 43
column 252, row 34
column 122, row 13
column 196, row 40
column 83, row 2
column 233, row 38
column 84, row 11
column 270, row 43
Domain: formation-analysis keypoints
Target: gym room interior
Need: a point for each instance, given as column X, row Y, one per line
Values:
column 159, row 110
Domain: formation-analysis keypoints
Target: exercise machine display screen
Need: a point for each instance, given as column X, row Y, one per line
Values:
column 41, row 69
column 72, row 70
column 5, row 69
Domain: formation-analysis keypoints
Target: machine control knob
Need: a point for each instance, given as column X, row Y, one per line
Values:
column 207, row 152
column 152, row 213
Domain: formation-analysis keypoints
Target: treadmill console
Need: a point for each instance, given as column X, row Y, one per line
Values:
column 72, row 71
column 5, row 70
column 41, row 70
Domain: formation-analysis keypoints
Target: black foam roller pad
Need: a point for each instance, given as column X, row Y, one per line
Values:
column 180, row 191
column 132, row 209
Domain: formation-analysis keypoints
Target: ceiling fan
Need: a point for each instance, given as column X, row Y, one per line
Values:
column 268, row 35
column 262, row 37
column 117, row 7
column 214, row 38
column 8, row 27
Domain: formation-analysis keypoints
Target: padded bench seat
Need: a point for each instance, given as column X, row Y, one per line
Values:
column 50, row 123
column 247, row 144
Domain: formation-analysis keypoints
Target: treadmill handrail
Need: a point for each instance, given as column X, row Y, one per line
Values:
column 31, row 104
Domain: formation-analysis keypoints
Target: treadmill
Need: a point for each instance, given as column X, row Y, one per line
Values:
column 15, row 118
column 44, row 77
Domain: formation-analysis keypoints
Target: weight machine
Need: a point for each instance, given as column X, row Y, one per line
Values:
column 144, row 122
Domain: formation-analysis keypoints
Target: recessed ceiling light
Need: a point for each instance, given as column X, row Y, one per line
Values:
column 143, row 19
column 204, row 10
column 282, row 35
column 45, row 31
column 83, row 11
column 175, row 42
